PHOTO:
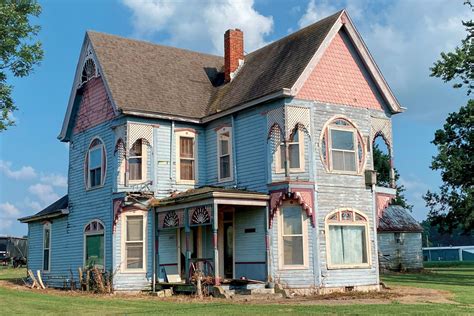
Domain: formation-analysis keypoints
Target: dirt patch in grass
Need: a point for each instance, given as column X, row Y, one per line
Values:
column 400, row 294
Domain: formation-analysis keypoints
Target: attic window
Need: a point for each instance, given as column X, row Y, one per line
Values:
column 89, row 70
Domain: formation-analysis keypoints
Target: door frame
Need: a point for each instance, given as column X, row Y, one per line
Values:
column 220, row 241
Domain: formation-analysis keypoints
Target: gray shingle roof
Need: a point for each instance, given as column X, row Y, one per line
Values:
column 55, row 208
column 397, row 219
column 152, row 78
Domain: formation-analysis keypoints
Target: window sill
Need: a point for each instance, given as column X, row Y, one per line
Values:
column 94, row 188
column 347, row 173
column 342, row 267
column 295, row 267
column 133, row 271
column 225, row 180
column 282, row 171
column 188, row 182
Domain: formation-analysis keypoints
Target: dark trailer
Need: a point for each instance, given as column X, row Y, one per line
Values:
column 13, row 249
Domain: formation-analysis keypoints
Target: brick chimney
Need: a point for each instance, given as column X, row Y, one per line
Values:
column 233, row 52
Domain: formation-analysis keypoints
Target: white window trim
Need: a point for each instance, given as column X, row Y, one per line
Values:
column 45, row 227
column 281, row 255
column 124, row 241
column 355, row 143
column 92, row 234
column 144, row 164
column 178, row 136
column 220, row 132
column 87, row 178
column 365, row 224
column 301, row 143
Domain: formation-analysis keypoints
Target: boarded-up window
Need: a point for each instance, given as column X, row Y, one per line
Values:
column 94, row 244
column 134, row 242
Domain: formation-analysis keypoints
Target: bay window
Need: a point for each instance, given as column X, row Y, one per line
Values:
column 135, row 161
column 293, row 237
column 295, row 153
column 134, row 242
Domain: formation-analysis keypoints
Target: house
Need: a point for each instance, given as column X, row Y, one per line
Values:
column 253, row 165
column 399, row 240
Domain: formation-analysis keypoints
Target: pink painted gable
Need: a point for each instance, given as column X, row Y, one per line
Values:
column 340, row 78
column 95, row 107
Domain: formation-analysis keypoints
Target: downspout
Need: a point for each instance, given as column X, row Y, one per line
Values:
column 153, row 279
column 374, row 215
column 234, row 150
column 171, row 155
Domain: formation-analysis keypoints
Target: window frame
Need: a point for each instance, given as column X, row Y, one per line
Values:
column 144, row 158
column 95, row 233
column 46, row 226
column 304, row 226
column 187, row 134
column 124, row 241
column 301, row 144
column 325, row 146
column 353, row 222
column 103, row 162
column 219, row 134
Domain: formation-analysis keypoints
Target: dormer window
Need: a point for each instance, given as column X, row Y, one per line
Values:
column 342, row 147
column 224, row 153
column 295, row 153
column 95, row 164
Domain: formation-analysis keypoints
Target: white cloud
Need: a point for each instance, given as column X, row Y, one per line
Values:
column 24, row 173
column 56, row 180
column 200, row 25
column 406, row 37
column 5, row 224
column 8, row 210
column 44, row 192
column 32, row 205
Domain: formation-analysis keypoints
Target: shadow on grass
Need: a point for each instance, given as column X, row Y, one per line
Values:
column 433, row 278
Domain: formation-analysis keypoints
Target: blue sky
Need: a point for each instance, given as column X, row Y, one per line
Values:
column 405, row 37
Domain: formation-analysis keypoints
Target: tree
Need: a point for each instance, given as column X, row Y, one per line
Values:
column 19, row 52
column 382, row 166
column 453, row 205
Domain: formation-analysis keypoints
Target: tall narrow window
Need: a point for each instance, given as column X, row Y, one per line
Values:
column 295, row 153
column 95, row 164
column 347, row 239
column 134, row 242
column 292, row 236
column 135, row 162
column 186, row 157
column 46, row 246
column 94, row 244
column 224, row 148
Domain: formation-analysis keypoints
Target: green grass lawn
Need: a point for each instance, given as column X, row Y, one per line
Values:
column 460, row 281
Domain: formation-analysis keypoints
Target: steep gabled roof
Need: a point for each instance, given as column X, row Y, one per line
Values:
column 398, row 219
column 56, row 209
column 146, row 79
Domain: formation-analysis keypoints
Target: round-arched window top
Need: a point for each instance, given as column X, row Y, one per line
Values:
column 347, row 216
column 89, row 70
column 94, row 227
column 95, row 164
column 342, row 147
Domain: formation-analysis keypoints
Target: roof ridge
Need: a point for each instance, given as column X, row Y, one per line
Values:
column 151, row 43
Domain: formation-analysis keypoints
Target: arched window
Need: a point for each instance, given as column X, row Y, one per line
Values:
column 95, row 164
column 347, row 239
column 342, row 147
column 94, row 244
column 136, row 161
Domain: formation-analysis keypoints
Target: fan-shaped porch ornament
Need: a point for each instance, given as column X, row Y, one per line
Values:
column 200, row 216
column 171, row 220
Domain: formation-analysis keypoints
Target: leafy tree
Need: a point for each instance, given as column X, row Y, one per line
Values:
column 453, row 206
column 382, row 166
column 19, row 52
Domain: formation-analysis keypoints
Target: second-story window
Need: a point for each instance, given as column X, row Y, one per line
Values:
column 95, row 164
column 135, row 161
column 224, row 153
column 186, row 156
column 342, row 147
column 295, row 153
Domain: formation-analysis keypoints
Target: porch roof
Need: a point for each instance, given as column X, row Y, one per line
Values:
column 209, row 192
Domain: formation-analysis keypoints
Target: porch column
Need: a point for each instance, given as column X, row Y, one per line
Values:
column 215, row 224
column 187, row 231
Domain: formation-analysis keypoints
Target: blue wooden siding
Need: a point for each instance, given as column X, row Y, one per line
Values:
column 250, row 251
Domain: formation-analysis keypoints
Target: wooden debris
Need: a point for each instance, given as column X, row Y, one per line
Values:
column 33, row 279
column 38, row 273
